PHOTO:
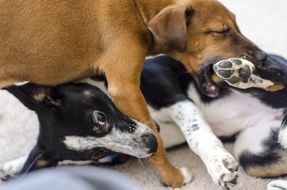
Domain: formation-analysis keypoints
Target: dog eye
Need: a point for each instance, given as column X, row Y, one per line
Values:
column 99, row 118
column 223, row 32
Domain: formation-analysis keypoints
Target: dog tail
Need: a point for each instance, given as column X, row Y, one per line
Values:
column 282, row 133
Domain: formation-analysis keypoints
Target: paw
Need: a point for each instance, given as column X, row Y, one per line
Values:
column 239, row 73
column 187, row 177
column 5, row 175
column 277, row 185
column 234, row 71
column 223, row 168
column 177, row 178
column 12, row 168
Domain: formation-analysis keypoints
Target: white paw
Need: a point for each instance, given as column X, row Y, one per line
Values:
column 223, row 168
column 186, row 175
column 12, row 168
column 239, row 73
column 277, row 185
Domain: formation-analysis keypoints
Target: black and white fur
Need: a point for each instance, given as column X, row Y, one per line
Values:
column 78, row 122
column 255, row 116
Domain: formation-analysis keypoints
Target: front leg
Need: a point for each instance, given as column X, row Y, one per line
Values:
column 220, row 164
column 123, row 65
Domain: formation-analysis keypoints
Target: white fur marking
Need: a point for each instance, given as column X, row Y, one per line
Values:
column 186, row 175
column 282, row 136
column 203, row 142
column 13, row 167
column 100, row 84
column 116, row 140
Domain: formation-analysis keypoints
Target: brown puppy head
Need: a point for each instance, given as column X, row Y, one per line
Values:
column 199, row 33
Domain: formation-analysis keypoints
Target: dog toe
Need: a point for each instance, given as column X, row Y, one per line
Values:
column 231, row 164
column 228, row 180
column 225, row 64
column 235, row 71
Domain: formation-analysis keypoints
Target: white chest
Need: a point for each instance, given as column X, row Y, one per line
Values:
column 234, row 112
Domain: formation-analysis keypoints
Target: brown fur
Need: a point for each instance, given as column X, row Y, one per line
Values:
column 57, row 41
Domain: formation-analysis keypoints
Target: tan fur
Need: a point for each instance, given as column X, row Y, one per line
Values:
column 271, row 170
column 56, row 41
column 40, row 96
column 268, row 171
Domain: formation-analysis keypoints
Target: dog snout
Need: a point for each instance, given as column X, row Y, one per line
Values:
column 271, row 69
column 260, row 55
column 150, row 142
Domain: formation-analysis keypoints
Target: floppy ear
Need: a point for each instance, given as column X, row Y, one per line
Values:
column 169, row 28
column 37, row 159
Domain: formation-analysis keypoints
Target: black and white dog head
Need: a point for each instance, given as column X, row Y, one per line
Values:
column 79, row 122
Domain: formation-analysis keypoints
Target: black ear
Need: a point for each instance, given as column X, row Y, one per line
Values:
column 37, row 159
column 29, row 94
column 169, row 28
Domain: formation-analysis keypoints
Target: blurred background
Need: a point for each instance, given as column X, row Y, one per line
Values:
column 263, row 21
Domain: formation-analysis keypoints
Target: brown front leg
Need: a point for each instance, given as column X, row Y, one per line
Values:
column 123, row 71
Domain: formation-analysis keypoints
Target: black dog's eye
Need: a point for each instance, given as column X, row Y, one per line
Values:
column 99, row 118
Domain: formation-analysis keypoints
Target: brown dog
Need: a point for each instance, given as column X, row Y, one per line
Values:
column 56, row 41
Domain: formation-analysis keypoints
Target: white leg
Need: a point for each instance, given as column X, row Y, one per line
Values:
column 220, row 164
column 13, row 167
column 277, row 185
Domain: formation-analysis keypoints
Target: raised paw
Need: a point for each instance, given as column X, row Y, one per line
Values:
column 223, row 168
column 240, row 74
column 234, row 71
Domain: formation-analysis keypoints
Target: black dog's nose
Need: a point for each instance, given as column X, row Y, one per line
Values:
column 261, row 55
column 150, row 141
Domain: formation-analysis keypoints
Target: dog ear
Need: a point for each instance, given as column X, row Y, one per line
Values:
column 37, row 159
column 29, row 94
column 169, row 28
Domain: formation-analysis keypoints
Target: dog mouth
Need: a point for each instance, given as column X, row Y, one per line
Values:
column 207, row 81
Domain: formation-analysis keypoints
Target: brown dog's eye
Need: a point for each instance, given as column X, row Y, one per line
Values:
column 224, row 31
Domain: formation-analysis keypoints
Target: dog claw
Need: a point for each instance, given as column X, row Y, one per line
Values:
column 228, row 181
column 231, row 165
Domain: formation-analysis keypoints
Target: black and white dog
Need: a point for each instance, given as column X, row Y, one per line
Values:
column 255, row 116
column 78, row 122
